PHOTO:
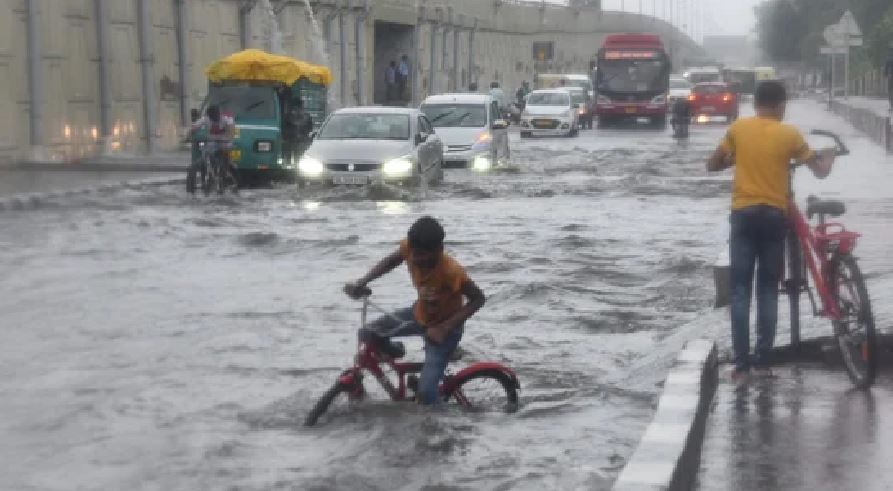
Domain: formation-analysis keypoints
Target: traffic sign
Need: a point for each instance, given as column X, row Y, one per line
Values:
column 833, row 50
column 849, row 25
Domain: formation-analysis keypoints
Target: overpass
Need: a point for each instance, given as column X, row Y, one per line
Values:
column 99, row 77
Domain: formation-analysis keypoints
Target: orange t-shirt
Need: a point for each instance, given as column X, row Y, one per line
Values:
column 440, row 290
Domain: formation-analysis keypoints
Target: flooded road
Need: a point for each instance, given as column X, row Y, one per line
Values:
column 154, row 341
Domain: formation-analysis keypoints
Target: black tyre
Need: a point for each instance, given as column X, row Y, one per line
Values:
column 325, row 402
column 794, row 284
column 207, row 175
column 486, row 391
column 855, row 331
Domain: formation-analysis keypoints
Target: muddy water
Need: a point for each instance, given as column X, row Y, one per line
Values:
column 157, row 342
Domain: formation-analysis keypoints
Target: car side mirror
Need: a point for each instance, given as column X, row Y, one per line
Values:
column 194, row 114
column 500, row 124
column 421, row 138
column 576, row 106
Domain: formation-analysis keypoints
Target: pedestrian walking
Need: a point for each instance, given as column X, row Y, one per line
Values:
column 390, row 80
column 403, row 71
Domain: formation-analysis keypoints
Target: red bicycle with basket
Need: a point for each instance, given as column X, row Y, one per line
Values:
column 480, row 387
column 824, row 253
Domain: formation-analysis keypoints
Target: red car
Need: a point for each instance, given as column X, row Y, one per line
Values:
column 711, row 99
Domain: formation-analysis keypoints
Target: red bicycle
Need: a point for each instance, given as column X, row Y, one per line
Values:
column 480, row 387
column 824, row 253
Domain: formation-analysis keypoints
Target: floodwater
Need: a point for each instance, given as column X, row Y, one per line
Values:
column 153, row 341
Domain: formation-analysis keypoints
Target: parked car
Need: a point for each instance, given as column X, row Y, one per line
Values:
column 712, row 99
column 680, row 88
column 370, row 145
column 473, row 132
column 550, row 113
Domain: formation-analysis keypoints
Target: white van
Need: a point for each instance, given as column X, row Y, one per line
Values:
column 474, row 134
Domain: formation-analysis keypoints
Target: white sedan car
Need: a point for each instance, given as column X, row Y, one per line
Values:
column 550, row 113
column 371, row 145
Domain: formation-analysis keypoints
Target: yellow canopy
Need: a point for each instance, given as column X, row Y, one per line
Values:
column 257, row 65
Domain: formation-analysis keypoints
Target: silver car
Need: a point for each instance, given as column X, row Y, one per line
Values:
column 370, row 145
column 472, row 128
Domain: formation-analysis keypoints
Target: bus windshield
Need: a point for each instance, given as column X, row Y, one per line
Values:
column 632, row 76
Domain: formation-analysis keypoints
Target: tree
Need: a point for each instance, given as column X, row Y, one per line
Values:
column 781, row 29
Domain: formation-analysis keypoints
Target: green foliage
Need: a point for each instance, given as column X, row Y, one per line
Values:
column 791, row 30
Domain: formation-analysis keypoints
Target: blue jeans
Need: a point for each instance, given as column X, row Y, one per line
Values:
column 436, row 355
column 757, row 237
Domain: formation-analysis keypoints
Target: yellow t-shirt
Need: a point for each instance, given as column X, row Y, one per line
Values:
column 762, row 150
column 440, row 290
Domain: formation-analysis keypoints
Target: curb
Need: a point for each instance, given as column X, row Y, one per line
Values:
column 30, row 201
column 668, row 455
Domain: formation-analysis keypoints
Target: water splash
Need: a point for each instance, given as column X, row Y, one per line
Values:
column 318, row 43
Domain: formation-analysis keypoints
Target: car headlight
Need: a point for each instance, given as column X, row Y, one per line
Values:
column 397, row 166
column 484, row 137
column 661, row 99
column 264, row 146
column 310, row 166
column 481, row 163
column 600, row 99
column 200, row 144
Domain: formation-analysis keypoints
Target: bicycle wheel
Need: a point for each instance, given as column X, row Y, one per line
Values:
column 486, row 391
column 207, row 176
column 336, row 393
column 855, row 330
column 191, row 180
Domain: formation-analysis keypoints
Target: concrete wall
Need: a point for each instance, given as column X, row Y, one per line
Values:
column 70, row 58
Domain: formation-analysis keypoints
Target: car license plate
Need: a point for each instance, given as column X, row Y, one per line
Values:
column 235, row 155
column 630, row 110
column 708, row 109
column 541, row 123
column 355, row 180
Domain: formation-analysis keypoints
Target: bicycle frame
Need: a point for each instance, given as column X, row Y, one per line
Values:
column 817, row 245
column 369, row 358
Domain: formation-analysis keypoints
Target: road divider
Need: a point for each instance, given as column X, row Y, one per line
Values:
column 668, row 455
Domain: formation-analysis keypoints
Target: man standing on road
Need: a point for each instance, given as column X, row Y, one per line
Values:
column 403, row 71
column 888, row 72
column 761, row 149
column 390, row 80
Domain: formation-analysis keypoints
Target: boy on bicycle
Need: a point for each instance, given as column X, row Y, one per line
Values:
column 761, row 149
column 439, row 313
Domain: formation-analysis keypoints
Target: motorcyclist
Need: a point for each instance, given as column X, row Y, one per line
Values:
column 296, row 129
column 221, row 131
column 681, row 117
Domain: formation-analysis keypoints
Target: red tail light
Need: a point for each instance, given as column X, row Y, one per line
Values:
column 692, row 97
column 727, row 97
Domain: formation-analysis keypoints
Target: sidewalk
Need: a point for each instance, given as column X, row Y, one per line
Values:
column 868, row 115
column 806, row 429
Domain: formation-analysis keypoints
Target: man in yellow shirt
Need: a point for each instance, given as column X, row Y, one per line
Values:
column 761, row 149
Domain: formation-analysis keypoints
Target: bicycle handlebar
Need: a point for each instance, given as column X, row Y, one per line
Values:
column 841, row 148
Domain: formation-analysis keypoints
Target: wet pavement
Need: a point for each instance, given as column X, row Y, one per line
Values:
column 26, row 181
column 154, row 341
column 805, row 429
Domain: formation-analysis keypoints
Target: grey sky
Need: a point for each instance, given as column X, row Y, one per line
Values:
column 720, row 16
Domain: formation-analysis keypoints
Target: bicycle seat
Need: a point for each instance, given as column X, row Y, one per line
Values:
column 817, row 206
column 394, row 349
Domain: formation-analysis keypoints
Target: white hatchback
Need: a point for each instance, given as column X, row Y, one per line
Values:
column 550, row 113
column 474, row 134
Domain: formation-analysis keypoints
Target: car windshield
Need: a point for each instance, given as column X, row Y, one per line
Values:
column 679, row 83
column 244, row 102
column 632, row 76
column 456, row 115
column 548, row 99
column 710, row 89
column 360, row 126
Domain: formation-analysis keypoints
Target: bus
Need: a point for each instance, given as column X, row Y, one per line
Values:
column 765, row 73
column 743, row 79
column 632, row 79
